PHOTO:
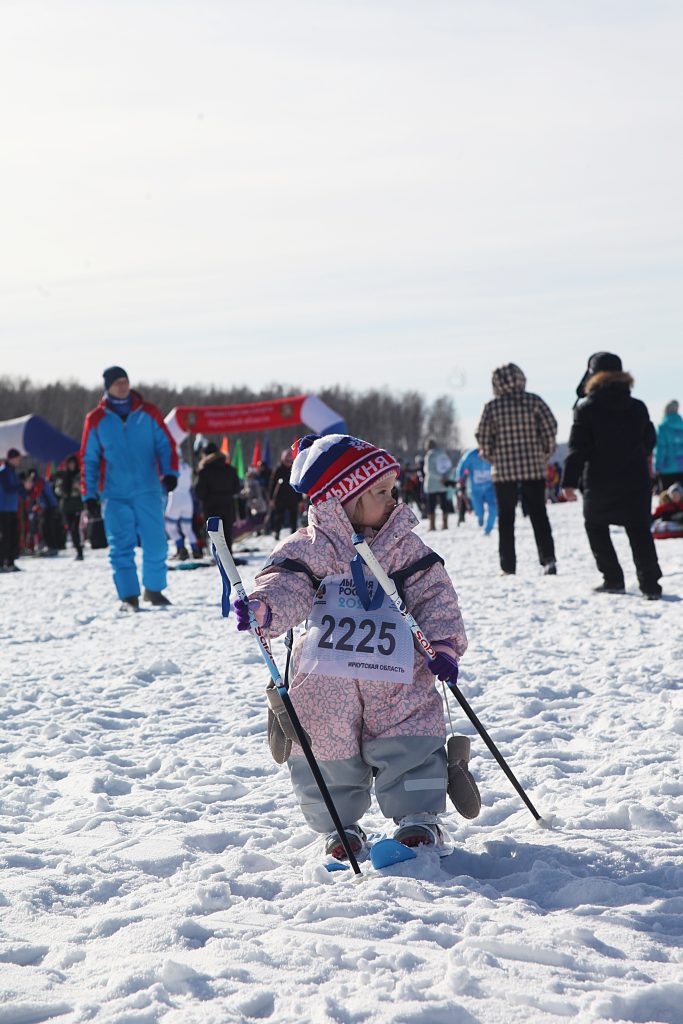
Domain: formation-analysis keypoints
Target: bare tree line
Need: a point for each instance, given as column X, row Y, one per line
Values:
column 400, row 422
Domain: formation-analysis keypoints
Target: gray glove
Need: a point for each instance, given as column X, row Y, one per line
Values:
column 281, row 732
column 462, row 789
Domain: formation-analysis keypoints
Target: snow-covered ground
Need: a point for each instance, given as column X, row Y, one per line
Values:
column 155, row 867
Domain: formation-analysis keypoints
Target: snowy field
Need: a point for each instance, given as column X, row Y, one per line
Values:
column 156, row 868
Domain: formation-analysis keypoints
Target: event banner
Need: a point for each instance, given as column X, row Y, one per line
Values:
column 235, row 419
column 257, row 416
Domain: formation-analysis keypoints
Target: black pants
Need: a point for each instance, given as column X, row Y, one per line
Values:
column 438, row 498
column 667, row 479
column 73, row 521
column 533, row 498
column 642, row 548
column 9, row 538
column 288, row 512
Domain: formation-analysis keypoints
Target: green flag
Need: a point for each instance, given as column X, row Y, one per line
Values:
column 237, row 458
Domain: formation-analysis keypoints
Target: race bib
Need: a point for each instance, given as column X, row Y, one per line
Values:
column 344, row 639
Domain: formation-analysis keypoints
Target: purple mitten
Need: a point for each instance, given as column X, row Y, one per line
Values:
column 444, row 667
column 242, row 609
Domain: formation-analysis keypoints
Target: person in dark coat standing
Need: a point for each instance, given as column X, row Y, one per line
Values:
column 516, row 434
column 283, row 498
column 217, row 487
column 10, row 489
column 67, row 488
column 609, row 448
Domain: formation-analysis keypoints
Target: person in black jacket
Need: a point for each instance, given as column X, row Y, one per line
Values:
column 217, row 487
column 609, row 448
column 284, row 499
column 67, row 488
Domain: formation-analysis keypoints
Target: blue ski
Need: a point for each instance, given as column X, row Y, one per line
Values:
column 383, row 854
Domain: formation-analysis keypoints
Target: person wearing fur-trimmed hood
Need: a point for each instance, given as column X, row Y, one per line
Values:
column 610, row 443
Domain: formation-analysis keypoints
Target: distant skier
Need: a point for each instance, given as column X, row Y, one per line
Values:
column 477, row 473
column 129, row 460
column 362, row 691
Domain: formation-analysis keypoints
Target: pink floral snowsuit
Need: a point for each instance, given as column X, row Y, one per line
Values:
column 358, row 725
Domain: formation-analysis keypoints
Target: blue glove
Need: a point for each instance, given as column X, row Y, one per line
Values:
column 444, row 667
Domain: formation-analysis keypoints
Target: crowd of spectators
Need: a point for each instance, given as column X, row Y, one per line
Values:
column 136, row 491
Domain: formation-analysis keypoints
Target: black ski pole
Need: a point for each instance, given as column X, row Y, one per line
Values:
column 214, row 528
column 389, row 588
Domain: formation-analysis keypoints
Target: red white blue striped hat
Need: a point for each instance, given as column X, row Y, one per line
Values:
column 339, row 466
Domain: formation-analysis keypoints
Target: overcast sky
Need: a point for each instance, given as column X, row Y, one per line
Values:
column 398, row 194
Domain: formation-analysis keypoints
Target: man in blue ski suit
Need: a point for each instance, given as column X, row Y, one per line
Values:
column 127, row 454
column 477, row 472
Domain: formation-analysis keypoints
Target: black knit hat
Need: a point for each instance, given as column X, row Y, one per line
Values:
column 111, row 374
column 599, row 362
column 13, row 453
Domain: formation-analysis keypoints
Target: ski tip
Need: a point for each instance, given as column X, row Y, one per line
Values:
column 389, row 851
column 212, row 524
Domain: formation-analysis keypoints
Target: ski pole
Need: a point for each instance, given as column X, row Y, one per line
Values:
column 214, row 528
column 389, row 588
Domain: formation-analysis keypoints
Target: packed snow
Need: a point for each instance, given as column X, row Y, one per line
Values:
column 156, row 868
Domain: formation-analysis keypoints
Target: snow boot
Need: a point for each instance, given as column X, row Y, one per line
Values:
column 335, row 848
column 462, row 789
column 181, row 555
column 550, row 569
column 445, row 521
column 156, row 597
column 610, row 588
column 130, row 604
column 419, row 830
column 432, row 521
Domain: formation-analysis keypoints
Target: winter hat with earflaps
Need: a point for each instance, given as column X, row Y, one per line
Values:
column 339, row 466
column 462, row 789
column 599, row 362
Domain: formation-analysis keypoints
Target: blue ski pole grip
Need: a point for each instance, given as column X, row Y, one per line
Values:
column 213, row 524
column 225, row 596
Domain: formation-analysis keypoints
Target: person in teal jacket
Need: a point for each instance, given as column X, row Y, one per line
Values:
column 129, row 462
column 476, row 472
column 669, row 453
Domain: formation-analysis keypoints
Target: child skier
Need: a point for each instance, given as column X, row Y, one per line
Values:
column 363, row 691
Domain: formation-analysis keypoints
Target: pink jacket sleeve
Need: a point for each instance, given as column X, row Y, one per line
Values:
column 433, row 602
column 288, row 594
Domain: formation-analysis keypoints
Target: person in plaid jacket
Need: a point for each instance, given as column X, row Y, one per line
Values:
column 516, row 434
